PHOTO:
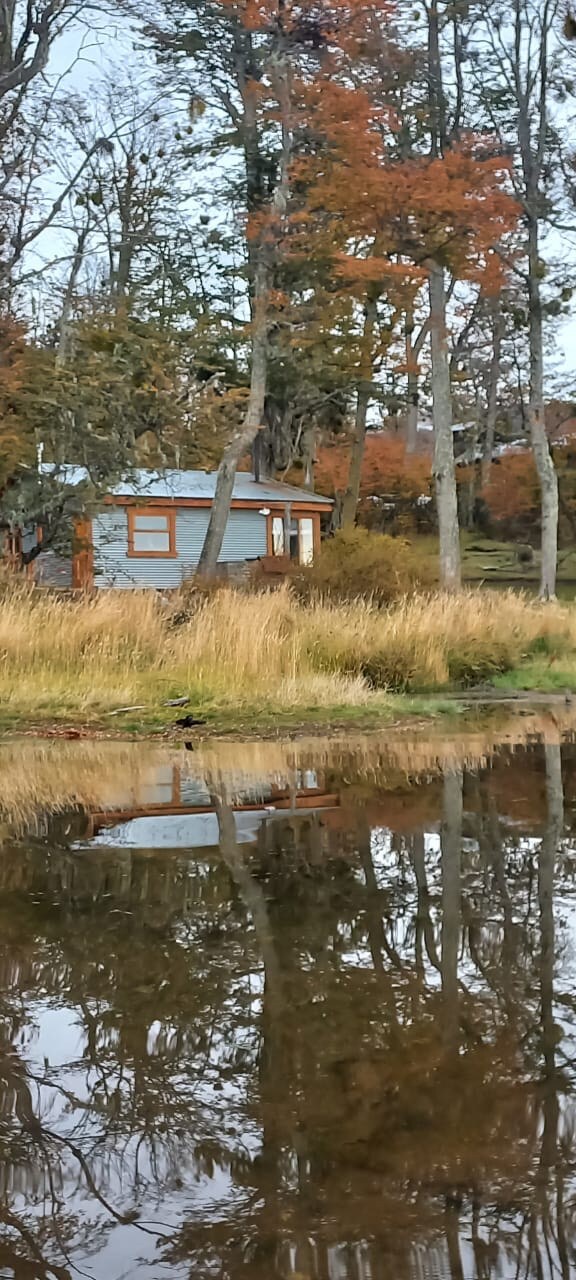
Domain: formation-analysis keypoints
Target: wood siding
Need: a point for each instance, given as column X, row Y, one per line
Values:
column 245, row 539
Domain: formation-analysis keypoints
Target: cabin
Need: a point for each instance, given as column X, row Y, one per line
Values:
column 150, row 531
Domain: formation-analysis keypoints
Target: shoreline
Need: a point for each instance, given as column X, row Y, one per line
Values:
column 400, row 713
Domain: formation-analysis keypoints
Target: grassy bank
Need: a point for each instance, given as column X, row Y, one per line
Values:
column 265, row 657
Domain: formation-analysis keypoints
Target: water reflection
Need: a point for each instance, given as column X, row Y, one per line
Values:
column 293, row 1011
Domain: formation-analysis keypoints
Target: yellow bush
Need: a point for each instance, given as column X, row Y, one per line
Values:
column 356, row 562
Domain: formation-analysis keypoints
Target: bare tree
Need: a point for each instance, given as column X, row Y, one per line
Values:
column 443, row 465
column 518, row 61
column 492, row 385
column 352, row 494
column 134, row 192
column 34, row 187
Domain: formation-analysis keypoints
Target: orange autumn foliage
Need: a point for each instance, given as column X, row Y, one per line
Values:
column 512, row 493
column 386, row 469
column 454, row 209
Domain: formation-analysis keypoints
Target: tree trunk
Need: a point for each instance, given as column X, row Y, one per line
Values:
column 65, row 340
column 287, row 526
column 412, row 414
column 443, row 468
column 122, row 276
column 245, row 66
column 308, row 452
column 352, row 494
column 413, row 353
column 262, row 257
column 352, row 491
column 412, row 385
column 547, row 477
column 436, row 95
column 451, row 844
column 472, row 469
column 492, row 397
column 244, row 439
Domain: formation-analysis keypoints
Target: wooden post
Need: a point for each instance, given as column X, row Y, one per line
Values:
column 287, row 523
column 83, row 557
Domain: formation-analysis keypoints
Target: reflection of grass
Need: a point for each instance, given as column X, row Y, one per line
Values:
column 263, row 658
column 39, row 777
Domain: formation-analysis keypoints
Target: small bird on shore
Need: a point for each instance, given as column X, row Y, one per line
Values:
column 188, row 722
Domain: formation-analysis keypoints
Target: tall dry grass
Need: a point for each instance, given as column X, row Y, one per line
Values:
column 432, row 641
column 267, row 648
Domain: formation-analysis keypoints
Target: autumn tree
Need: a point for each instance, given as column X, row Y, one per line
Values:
column 394, row 484
column 348, row 107
column 427, row 213
column 17, row 446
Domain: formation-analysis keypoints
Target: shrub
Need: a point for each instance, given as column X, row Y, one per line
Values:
column 356, row 562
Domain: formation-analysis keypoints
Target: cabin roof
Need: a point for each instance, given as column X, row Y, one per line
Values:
column 173, row 485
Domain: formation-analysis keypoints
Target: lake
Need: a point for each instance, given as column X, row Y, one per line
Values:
column 290, row 1010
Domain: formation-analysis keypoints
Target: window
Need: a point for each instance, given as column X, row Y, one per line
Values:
column 163, row 788
column 151, row 533
column 277, row 536
column 306, row 541
column 301, row 535
column 294, row 541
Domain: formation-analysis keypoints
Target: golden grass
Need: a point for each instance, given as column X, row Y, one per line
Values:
column 426, row 642
column 262, row 650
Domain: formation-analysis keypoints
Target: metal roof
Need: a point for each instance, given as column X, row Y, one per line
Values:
column 192, row 484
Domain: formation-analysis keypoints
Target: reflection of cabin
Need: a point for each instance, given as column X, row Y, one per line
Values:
column 150, row 530
column 173, row 811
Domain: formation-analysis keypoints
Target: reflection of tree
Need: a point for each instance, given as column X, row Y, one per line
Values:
column 328, row 1053
column 548, row 1226
column 424, row 928
column 451, row 852
column 154, row 1026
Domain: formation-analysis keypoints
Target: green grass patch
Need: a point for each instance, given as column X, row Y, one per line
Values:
column 539, row 677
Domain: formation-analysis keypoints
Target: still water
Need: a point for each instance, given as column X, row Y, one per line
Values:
column 300, row 1011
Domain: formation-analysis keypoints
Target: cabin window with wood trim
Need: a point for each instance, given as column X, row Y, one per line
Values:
column 151, row 533
column 300, row 538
